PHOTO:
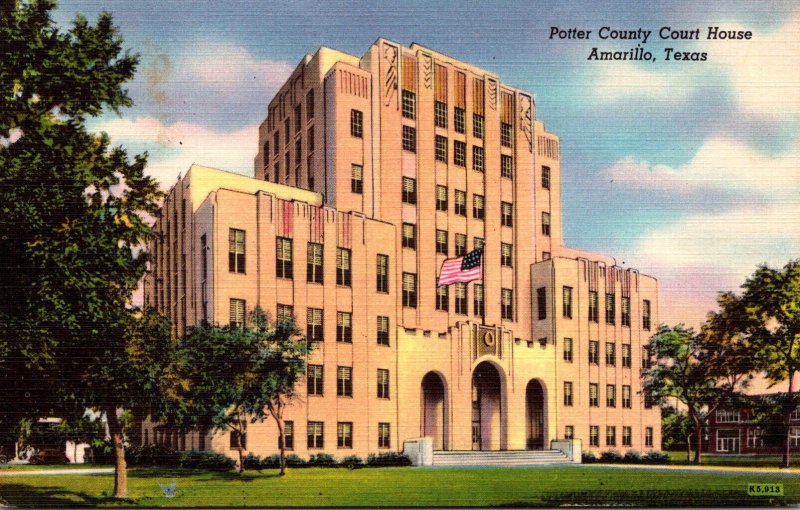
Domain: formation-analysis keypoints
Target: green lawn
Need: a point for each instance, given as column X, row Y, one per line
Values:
column 544, row 486
column 735, row 460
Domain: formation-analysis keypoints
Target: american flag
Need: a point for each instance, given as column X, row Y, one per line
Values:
column 461, row 269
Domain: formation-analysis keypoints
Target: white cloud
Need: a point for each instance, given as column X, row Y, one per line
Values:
column 720, row 164
column 174, row 147
column 625, row 79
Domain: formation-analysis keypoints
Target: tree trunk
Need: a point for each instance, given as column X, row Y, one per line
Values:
column 120, row 467
column 282, row 444
column 698, row 439
column 787, row 421
column 689, row 448
column 75, row 452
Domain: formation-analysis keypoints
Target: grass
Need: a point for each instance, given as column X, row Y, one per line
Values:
column 542, row 486
column 679, row 458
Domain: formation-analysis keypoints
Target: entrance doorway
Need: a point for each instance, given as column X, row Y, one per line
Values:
column 486, row 408
column 434, row 410
column 534, row 404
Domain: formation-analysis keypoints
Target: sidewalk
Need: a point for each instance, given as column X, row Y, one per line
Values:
column 76, row 471
column 707, row 469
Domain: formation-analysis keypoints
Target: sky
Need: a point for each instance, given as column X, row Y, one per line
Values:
column 686, row 170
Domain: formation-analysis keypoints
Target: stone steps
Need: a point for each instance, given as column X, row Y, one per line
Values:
column 499, row 458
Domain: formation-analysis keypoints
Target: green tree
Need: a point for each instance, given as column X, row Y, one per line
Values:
column 676, row 430
column 72, row 227
column 701, row 370
column 767, row 316
column 236, row 375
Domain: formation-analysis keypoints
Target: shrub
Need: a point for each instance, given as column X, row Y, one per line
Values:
column 151, row 455
column 656, row 458
column 610, row 457
column 322, row 459
column 352, row 462
column 210, row 461
column 252, row 461
column 588, row 457
column 388, row 459
column 632, row 457
column 295, row 461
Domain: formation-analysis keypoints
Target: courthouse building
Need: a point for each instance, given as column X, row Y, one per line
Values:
column 371, row 172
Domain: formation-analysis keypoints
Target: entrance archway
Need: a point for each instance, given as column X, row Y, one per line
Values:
column 534, row 412
column 487, row 408
column 434, row 410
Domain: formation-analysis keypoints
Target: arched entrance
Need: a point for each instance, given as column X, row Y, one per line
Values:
column 534, row 412
column 487, row 408
column 434, row 410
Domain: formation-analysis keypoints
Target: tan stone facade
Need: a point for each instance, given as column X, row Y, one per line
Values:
column 403, row 158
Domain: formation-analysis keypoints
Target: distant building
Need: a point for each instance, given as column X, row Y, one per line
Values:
column 733, row 430
column 370, row 173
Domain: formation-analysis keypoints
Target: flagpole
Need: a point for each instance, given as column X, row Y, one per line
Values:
column 483, row 285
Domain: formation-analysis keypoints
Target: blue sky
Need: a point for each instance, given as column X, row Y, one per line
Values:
column 689, row 171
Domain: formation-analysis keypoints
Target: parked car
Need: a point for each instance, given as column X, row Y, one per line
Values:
column 49, row 457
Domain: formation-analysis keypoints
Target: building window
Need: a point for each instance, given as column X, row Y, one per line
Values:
column 567, row 393
column 594, row 435
column 546, row 177
column 314, row 379
column 568, row 350
column 316, row 434
column 409, row 104
column 383, row 330
column 728, row 416
column 298, row 152
column 478, row 207
column 409, row 190
column 611, row 308
column 310, row 105
column 569, row 432
column 344, row 381
column 382, row 270
column 646, row 315
column 298, row 118
column 344, row 327
column 237, row 309
column 344, row 434
column 409, row 139
column 410, row 290
column 344, row 275
column 286, row 130
column 648, row 436
column 646, row 361
column 441, row 242
column 477, row 158
column 285, row 313
column 461, row 245
column 276, row 142
column 265, row 153
column 314, row 330
column 594, row 352
column 409, row 236
column 593, row 305
column 477, row 243
column 440, row 114
column 384, row 435
column 238, row 439
column 314, row 263
column 461, row 203
column 546, row 223
column 283, row 258
column 541, row 302
column 461, row 298
column 459, row 153
column 506, row 167
column 383, row 383
column 505, row 254
column 236, row 258
column 505, row 134
column 794, row 436
column 566, row 293
column 288, row 434
column 288, row 168
column 611, row 395
column 611, row 353
column 459, row 120
column 507, row 304
column 795, row 414
column 277, row 171
column 357, row 179
column 626, row 396
column 626, row 355
column 611, row 435
column 506, row 214
column 626, row 311
column 477, row 302
column 443, row 298
column 477, row 125
column 441, row 198
column 626, row 436
column 441, row 148
column 356, row 123
column 594, row 400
